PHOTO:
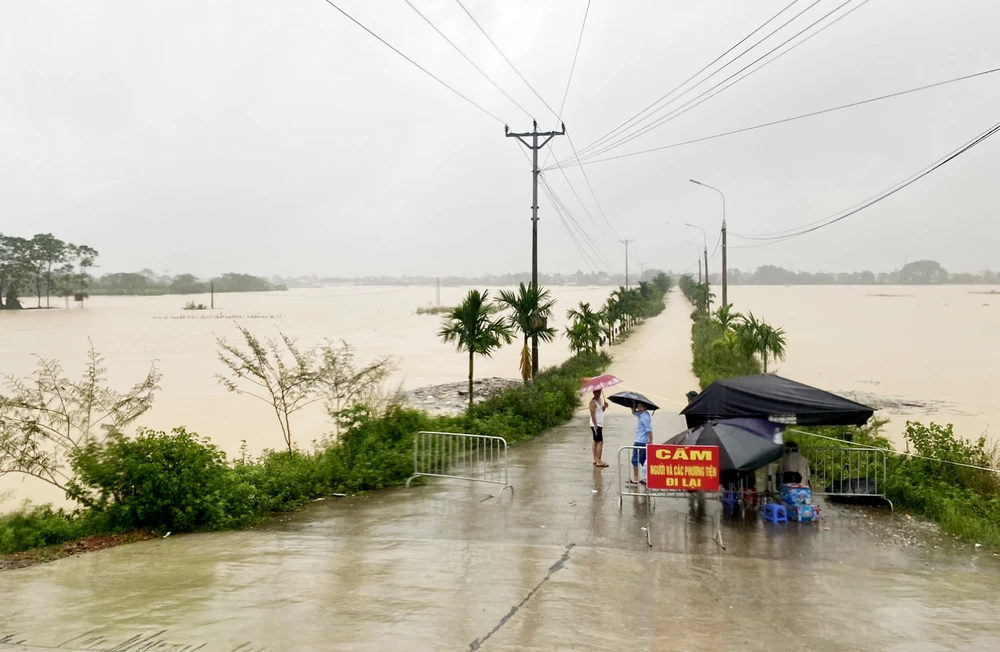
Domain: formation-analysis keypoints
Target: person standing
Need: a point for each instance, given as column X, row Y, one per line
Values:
column 597, row 407
column 643, row 435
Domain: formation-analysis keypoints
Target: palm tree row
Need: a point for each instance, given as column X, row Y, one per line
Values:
column 479, row 326
column 750, row 335
column 622, row 311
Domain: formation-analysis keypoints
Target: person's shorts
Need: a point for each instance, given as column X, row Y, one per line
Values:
column 639, row 455
column 598, row 433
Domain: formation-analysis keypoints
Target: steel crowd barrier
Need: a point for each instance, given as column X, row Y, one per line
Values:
column 460, row 456
column 847, row 472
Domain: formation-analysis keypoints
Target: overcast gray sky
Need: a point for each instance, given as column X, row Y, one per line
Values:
column 279, row 138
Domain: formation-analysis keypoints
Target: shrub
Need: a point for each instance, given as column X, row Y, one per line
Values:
column 716, row 357
column 274, row 482
column 156, row 481
column 40, row 526
column 374, row 452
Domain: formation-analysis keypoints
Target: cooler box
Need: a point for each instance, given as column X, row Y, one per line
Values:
column 801, row 513
column 796, row 494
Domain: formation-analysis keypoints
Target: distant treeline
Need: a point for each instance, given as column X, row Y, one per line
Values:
column 500, row 280
column 40, row 267
column 921, row 272
column 147, row 283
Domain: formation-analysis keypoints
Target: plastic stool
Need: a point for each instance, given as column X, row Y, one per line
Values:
column 775, row 513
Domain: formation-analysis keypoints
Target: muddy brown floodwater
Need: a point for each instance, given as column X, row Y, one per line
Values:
column 445, row 566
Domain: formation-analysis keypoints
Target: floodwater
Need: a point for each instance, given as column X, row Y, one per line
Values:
column 132, row 332
column 923, row 353
column 446, row 566
column 919, row 353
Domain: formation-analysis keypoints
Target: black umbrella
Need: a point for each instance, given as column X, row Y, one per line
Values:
column 744, row 444
column 629, row 399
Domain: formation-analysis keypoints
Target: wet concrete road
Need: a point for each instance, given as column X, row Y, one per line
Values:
column 444, row 566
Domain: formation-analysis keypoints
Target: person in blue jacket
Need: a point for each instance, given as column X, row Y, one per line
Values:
column 643, row 435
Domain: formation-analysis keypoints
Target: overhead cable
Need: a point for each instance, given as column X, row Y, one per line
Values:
column 424, row 70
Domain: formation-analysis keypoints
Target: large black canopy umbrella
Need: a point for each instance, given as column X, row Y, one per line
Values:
column 629, row 399
column 744, row 444
column 775, row 399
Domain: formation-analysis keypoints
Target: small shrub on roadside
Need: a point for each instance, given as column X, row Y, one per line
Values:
column 374, row 452
column 276, row 481
column 158, row 481
column 39, row 526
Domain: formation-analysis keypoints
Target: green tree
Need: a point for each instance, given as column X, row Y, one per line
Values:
column 726, row 317
column 772, row 344
column 46, row 252
column 45, row 417
column 530, row 308
column 610, row 314
column 277, row 372
column 474, row 327
column 584, row 331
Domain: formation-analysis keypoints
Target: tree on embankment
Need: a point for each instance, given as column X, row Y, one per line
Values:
column 475, row 327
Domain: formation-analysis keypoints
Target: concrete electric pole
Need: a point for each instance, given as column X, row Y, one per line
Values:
column 534, row 145
column 626, row 243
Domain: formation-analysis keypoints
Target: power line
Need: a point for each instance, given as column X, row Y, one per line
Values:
column 424, row 70
column 567, row 219
column 588, row 239
column 572, row 68
column 509, row 63
column 684, row 108
column 628, row 122
column 790, row 119
column 575, row 55
column 885, row 194
column 464, row 56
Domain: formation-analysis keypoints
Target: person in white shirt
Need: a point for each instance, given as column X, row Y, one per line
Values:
column 794, row 467
column 597, row 407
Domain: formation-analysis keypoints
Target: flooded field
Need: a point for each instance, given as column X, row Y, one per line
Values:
column 921, row 353
column 915, row 352
column 132, row 332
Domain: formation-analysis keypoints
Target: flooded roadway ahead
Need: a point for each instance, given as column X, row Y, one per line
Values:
column 444, row 567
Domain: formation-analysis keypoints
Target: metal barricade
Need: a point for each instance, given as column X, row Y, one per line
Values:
column 847, row 472
column 642, row 490
column 460, row 456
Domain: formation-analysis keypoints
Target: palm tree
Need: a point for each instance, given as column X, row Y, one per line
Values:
column 610, row 313
column 530, row 307
column 748, row 334
column 772, row 343
column 725, row 317
column 474, row 328
column 584, row 332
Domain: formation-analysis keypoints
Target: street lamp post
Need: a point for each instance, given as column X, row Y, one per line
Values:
column 704, row 239
column 725, row 301
column 698, row 249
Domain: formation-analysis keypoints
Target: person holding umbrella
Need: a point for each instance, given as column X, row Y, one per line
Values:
column 597, row 407
column 641, row 407
column 643, row 435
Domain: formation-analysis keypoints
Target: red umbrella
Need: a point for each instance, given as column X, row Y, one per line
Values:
column 599, row 382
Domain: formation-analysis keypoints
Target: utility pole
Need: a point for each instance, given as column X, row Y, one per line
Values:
column 534, row 146
column 699, row 271
column 626, row 243
column 725, row 300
